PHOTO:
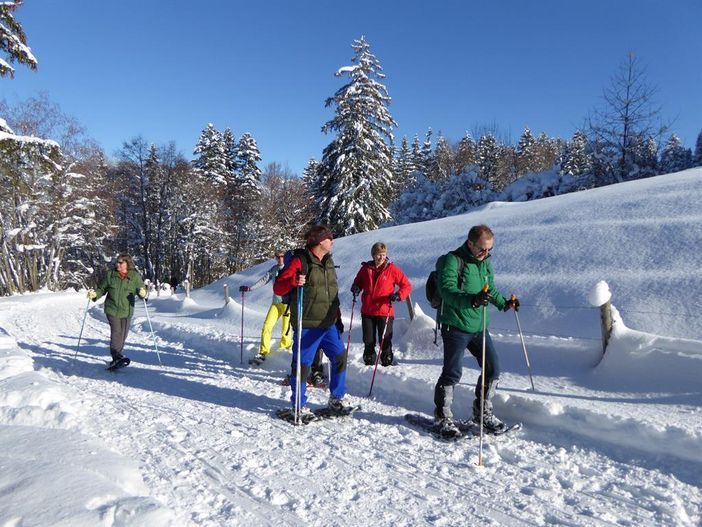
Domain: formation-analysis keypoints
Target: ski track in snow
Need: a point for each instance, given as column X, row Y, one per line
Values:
column 202, row 429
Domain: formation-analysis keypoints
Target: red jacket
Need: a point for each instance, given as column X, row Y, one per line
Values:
column 378, row 285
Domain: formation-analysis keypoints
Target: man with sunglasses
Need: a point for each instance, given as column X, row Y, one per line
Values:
column 461, row 317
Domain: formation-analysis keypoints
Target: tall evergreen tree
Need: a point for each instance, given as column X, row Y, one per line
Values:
column 404, row 166
column 441, row 160
column 576, row 160
column 526, row 155
column 675, row 156
column 697, row 159
column 465, row 153
column 488, row 157
column 13, row 41
column 356, row 173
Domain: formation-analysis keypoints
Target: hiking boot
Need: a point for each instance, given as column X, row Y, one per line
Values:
column 386, row 359
column 116, row 359
column 447, row 428
column 369, row 359
column 337, row 405
column 491, row 423
column 317, row 380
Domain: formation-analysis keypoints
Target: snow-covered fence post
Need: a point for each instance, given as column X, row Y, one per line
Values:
column 600, row 296
column 410, row 307
column 226, row 294
column 186, row 285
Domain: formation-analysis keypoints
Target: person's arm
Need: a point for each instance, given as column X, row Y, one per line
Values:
column 266, row 278
column 405, row 287
column 101, row 289
column 288, row 278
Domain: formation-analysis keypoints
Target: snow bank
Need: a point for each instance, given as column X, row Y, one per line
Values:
column 52, row 475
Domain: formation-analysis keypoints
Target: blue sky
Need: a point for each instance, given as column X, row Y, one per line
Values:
column 163, row 69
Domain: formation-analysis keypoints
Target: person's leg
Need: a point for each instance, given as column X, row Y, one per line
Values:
column 455, row 342
column 286, row 338
column 369, row 328
column 334, row 349
column 317, row 367
column 267, row 329
column 311, row 338
column 386, row 356
column 119, row 328
column 492, row 371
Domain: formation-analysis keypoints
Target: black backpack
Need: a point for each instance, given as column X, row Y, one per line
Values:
column 431, row 289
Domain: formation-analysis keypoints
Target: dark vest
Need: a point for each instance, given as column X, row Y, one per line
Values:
column 320, row 298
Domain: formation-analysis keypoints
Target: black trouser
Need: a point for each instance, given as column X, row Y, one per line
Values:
column 372, row 327
column 119, row 328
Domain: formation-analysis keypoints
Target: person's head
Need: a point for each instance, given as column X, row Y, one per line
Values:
column 480, row 241
column 379, row 252
column 319, row 236
column 124, row 263
column 279, row 257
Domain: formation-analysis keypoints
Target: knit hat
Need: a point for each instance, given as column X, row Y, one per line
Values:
column 318, row 234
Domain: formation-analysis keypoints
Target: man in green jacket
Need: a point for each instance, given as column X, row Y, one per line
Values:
column 121, row 286
column 461, row 318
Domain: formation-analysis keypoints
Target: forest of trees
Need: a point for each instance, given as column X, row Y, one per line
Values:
column 67, row 208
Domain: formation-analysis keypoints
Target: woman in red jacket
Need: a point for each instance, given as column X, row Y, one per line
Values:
column 377, row 279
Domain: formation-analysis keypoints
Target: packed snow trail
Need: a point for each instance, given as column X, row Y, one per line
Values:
column 203, row 433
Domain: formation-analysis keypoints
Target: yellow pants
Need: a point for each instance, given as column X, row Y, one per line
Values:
column 274, row 313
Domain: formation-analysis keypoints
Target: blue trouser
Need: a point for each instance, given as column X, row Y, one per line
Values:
column 330, row 341
column 455, row 344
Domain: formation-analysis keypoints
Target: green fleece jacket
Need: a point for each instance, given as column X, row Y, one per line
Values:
column 120, row 293
column 456, row 309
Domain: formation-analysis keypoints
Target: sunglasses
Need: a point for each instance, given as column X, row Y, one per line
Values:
column 481, row 250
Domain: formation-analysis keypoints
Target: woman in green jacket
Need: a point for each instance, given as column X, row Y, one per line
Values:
column 120, row 285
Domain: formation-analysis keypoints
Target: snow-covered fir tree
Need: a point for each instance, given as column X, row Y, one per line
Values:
column 427, row 154
column 697, row 159
column 441, row 162
column 356, row 175
column 526, row 155
column 404, row 166
column 576, row 160
column 13, row 40
column 212, row 160
column 675, row 156
column 417, row 158
column 488, row 157
column 465, row 153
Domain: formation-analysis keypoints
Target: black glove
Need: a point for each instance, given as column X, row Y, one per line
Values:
column 244, row 289
column 395, row 297
column 355, row 289
column 481, row 299
column 512, row 303
column 339, row 326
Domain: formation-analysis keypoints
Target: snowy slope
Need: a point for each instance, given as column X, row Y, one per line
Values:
column 606, row 441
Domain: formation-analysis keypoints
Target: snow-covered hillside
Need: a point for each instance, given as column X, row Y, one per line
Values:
column 613, row 440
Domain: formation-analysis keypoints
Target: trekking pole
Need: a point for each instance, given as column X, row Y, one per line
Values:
column 298, row 365
column 380, row 350
column 241, row 333
column 153, row 335
column 348, row 342
column 486, row 287
column 80, row 335
column 521, row 337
